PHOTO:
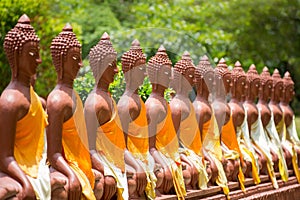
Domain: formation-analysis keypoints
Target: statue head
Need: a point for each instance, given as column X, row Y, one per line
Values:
column 222, row 78
column 277, row 86
column 266, row 84
column 288, row 88
column 204, row 75
column 103, row 57
column 253, row 83
column 66, row 53
column 159, row 68
column 134, row 64
column 238, row 81
column 183, row 73
column 21, row 46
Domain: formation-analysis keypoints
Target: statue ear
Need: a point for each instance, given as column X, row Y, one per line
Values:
column 61, row 70
column 16, row 63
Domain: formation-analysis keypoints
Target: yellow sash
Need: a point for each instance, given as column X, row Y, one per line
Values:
column 167, row 144
column 138, row 145
column 29, row 139
column 75, row 149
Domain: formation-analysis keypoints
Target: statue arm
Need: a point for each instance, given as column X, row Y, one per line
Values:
column 56, row 114
column 124, row 111
column 92, row 124
column 8, row 164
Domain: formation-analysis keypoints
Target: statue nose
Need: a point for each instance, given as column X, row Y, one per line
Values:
column 39, row 60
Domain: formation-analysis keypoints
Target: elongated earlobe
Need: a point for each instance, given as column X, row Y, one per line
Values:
column 16, row 64
column 60, row 72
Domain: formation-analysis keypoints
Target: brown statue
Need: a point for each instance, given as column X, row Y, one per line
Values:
column 105, row 129
column 163, row 142
column 207, row 123
column 23, row 173
column 240, row 124
column 132, row 112
column 68, row 151
column 185, row 122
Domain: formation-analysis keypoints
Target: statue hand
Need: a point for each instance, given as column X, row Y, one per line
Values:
column 110, row 187
column 194, row 176
column 141, row 180
column 74, row 188
column 168, row 180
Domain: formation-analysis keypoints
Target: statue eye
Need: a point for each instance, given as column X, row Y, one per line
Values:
column 191, row 76
column 74, row 58
column 243, row 83
column 228, row 80
column 166, row 73
column 31, row 53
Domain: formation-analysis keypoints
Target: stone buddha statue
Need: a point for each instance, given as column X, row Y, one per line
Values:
column 239, row 119
column 207, row 123
column 163, row 141
column 185, row 122
column 132, row 112
column 105, row 128
column 68, row 148
column 23, row 173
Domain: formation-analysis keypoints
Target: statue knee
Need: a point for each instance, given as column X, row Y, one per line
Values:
column 236, row 168
column 275, row 160
column 132, row 187
column 110, row 187
column 59, row 185
column 9, row 188
column 248, row 169
column 229, row 168
column 213, row 170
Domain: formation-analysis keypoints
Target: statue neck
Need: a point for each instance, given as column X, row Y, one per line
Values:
column 103, row 85
column 22, row 79
column 68, row 82
column 262, row 101
column 157, row 89
column 131, row 90
column 202, row 93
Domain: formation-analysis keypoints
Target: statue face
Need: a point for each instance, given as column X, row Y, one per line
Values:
column 138, row 73
column 72, row 62
column 241, row 85
column 110, row 71
column 278, row 91
column 267, row 89
column 164, row 75
column 209, row 80
column 227, row 82
column 255, row 87
column 289, row 93
column 29, row 58
column 189, row 75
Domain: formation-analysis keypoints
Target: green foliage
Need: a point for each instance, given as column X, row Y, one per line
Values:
column 84, row 85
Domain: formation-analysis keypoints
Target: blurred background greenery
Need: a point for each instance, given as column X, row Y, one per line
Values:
column 266, row 33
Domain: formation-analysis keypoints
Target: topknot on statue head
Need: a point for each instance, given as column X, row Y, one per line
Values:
column 134, row 57
column 159, row 60
column 265, row 76
column 15, row 39
column 101, row 55
column 61, row 44
column 276, row 78
column 287, row 80
column 221, row 69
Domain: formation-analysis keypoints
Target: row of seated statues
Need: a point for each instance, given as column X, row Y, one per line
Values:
column 62, row 149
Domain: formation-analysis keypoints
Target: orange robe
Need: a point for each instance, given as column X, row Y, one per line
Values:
column 229, row 138
column 190, row 139
column 138, row 145
column 110, row 144
column 29, row 147
column 167, row 144
column 76, row 151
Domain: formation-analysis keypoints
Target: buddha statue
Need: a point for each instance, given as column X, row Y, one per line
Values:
column 23, row 173
column 163, row 142
column 239, row 120
column 207, row 123
column 68, row 149
column 185, row 122
column 257, row 134
column 105, row 128
column 229, row 143
column 132, row 113
column 264, row 94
